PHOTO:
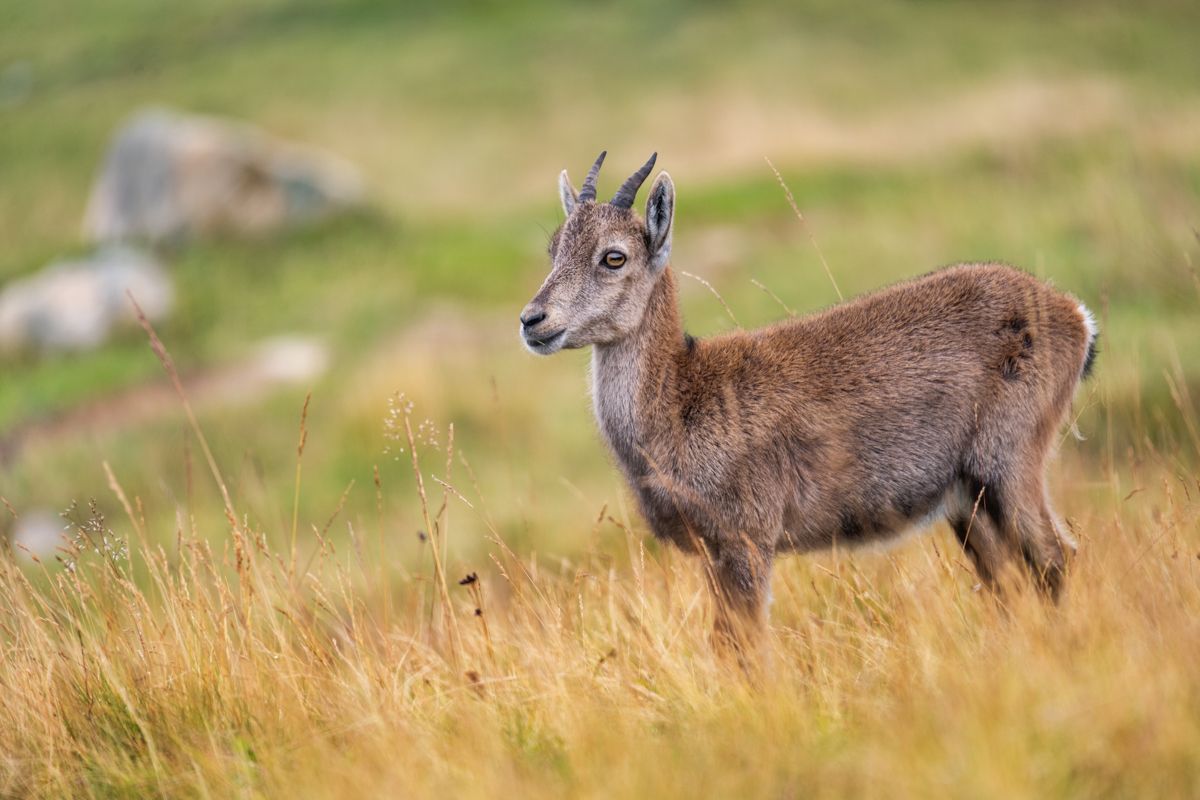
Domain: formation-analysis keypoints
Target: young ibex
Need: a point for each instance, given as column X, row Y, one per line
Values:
column 938, row 396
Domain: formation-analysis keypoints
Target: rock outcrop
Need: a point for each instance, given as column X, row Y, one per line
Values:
column 169, row 177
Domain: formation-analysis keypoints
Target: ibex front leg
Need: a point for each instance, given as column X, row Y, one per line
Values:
column 739, row 576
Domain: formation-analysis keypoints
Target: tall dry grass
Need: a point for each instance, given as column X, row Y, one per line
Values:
column 259, row 667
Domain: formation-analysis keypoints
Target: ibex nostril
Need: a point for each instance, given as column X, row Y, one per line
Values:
column 531, row 318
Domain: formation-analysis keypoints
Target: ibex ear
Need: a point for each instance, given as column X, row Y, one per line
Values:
column 660, row 214
column 570, row 198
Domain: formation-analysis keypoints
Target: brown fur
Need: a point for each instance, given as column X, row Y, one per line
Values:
column 942, row 394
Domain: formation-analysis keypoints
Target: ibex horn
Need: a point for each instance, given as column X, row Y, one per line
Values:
column 629, row 189
column 588, row 192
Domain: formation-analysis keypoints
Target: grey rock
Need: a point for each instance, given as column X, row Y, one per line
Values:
column 74, row 305
column 38, row 534
column 170, row 177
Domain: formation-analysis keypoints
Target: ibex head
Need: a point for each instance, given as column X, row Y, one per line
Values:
column 605, row 261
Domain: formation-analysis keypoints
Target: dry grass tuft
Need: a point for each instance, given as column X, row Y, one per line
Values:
column 141, row 669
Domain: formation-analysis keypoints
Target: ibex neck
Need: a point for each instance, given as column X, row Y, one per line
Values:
column 632, row 379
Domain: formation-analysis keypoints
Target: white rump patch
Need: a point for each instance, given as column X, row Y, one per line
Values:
column 1089, row 322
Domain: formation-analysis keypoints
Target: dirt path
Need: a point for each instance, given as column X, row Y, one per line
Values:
column 275, row 363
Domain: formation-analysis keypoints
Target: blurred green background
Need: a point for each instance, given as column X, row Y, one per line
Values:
column 1064, row 138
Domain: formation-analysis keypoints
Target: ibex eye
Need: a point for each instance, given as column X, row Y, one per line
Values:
column 614, row 259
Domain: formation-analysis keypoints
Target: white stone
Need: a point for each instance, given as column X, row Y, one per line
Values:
column 37, row 533
column 74, row 305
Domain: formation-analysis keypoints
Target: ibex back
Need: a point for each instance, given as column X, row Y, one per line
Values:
column 941, row 396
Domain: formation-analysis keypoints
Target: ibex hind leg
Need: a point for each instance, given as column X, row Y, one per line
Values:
column 1011, row 520
column 981, row 539
column 1031, row 523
